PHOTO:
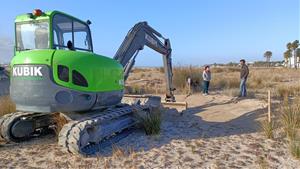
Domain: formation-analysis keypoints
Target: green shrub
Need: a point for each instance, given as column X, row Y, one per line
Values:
column 151, row 122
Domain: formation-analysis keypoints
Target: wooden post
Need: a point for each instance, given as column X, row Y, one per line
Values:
column 269, row 106
column 189, row 80
column 190, row 88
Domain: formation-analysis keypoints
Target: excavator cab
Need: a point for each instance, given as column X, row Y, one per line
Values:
column 52, row 30
column 55, row 69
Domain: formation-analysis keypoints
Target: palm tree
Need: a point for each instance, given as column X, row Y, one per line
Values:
column 268, row 55
column 289, row 47
column 286, row 56
column 294, row 47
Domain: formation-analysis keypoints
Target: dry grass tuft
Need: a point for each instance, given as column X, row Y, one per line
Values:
column 181, row 74
column 60, row 121
column 225, row 69
column 118, row 152
column 132, row 153
column 106, row 164
column 283, row 91
column 222, row 81
column 138, row 89
column 290, row 120
column 262, row 162
column 295, row 148
column 288, row 90
column 268, row 128
column 139, row 70
column 6, row 105
column 282, row 81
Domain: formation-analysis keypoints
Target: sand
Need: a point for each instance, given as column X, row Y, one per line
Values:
column 215, row 132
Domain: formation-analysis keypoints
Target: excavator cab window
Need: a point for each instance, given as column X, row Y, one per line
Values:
column 32, row 35
column 67, row 30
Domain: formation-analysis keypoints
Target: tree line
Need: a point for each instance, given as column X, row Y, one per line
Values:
column 292, row 53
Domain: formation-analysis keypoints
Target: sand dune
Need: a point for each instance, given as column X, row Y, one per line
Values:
column 215, row 132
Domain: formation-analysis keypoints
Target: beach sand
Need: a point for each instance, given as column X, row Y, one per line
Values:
column 216, row 131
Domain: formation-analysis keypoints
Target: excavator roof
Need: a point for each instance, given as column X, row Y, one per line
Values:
column 38, row 14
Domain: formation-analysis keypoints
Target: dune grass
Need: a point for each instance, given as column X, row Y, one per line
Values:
column 151, row 121
column 181, row 74
column 294, row 147
column 290, row 120
column 262, row 162
column 268, row 128
column 281, row 81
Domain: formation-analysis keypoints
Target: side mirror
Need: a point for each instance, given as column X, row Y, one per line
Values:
column 88, row 22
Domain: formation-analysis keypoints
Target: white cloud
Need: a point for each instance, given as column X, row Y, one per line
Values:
column 6, row 49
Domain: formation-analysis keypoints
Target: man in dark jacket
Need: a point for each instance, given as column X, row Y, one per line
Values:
column 244, row 76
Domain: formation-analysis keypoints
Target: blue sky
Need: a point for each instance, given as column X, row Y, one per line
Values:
column 201, row 31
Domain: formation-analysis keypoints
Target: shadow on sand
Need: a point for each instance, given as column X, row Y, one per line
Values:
column 186, row 125
column 189, row 125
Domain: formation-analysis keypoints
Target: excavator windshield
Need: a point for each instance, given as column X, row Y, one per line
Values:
column 68, row 33
column 71, row 34
column 32, row 35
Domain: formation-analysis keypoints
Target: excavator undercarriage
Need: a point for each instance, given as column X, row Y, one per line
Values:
column 82, row 134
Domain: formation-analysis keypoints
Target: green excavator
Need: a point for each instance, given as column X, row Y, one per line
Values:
column 55, row 70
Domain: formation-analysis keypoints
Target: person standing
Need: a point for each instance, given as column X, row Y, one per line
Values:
column 243, row 76
column 206, row 75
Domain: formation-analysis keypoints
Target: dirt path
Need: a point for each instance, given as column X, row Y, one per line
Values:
column 215, row 132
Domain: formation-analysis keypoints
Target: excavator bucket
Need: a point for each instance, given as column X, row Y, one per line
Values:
column 179, row 106
column 154, row 101
column 146, row 100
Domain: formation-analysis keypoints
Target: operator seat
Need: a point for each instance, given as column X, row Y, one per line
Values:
column 70, row 45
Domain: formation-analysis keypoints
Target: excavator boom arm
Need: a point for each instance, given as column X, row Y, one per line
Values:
column 143, row 35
